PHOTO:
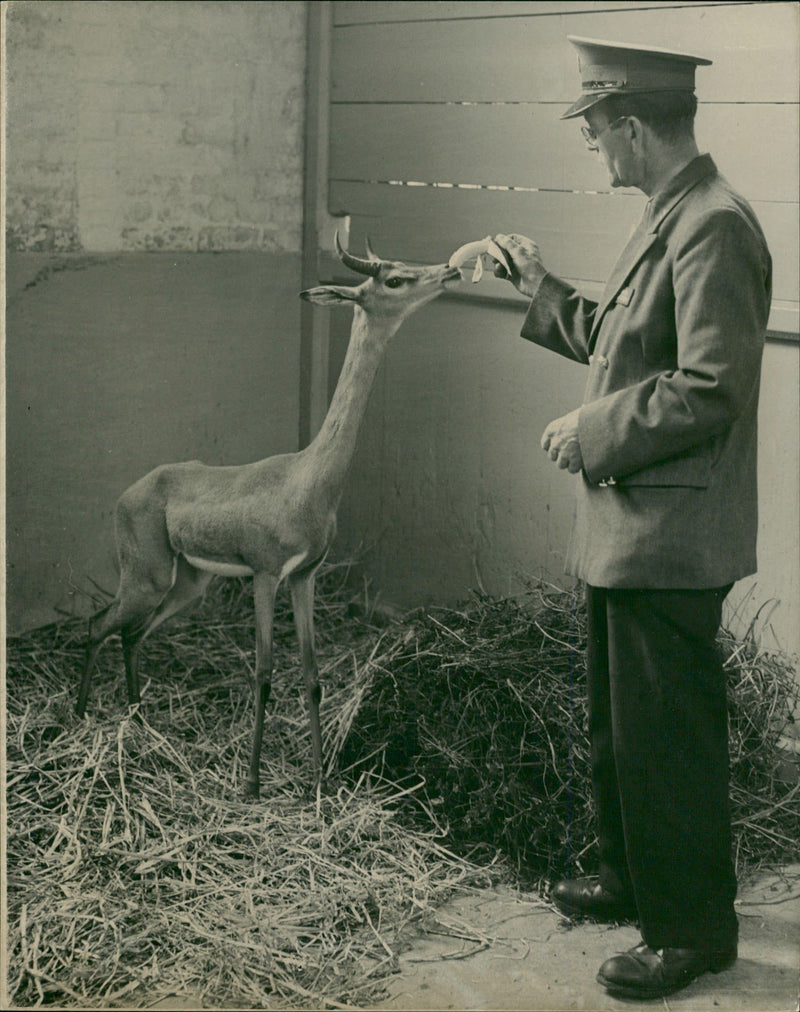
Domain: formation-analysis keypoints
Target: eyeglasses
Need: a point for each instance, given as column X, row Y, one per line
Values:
column 591, row 137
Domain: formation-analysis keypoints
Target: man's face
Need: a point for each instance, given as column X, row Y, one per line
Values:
column 612, row 142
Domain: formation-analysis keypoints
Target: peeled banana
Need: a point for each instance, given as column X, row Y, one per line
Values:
column 476, row 250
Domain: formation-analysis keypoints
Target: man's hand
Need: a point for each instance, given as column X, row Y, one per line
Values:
column 523, row 256
column 561, row 442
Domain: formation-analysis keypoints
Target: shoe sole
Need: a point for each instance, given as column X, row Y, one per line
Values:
column 723, row 961
column 618, row 991
column 629, row 917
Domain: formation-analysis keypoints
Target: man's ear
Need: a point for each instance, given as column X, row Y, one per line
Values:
column 331, row 295
column 635, row 127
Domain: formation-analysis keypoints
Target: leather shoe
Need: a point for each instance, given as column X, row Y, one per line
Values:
column 585, row 897
column 643, row 972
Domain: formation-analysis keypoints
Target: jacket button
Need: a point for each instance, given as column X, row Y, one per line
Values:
column 602, row 361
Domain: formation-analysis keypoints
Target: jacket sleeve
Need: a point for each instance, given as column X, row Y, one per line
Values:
column 560, row 319
column 721, row 275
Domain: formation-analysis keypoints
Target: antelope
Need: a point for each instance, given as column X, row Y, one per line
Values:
column 275, row 519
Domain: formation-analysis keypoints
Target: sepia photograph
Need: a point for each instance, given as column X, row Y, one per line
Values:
column 401, row 601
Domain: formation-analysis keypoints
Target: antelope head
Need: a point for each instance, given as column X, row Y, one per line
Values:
column 391, row 289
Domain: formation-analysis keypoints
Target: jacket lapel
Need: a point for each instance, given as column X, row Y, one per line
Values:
column 638, row 244
column 646, row 232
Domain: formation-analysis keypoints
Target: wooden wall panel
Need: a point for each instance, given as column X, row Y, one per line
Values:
column 449, row 487
column 466, row 98
column 517, row 59
column 580, row 235
column 527, row 145
column 358, row 12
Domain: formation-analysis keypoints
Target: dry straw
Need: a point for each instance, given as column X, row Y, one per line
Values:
column 136, row 872
column 452, row 736
column 488, row 707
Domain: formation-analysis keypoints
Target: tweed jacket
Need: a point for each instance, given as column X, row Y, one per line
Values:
column 667, row 497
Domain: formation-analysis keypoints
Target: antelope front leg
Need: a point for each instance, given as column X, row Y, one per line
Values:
column 90, row 656
column 264, row 587
column 131, row 645
column 302, row 587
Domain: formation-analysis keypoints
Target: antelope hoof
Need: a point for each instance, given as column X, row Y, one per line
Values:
column 251, row 789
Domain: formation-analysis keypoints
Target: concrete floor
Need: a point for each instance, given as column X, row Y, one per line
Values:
column 503, row 950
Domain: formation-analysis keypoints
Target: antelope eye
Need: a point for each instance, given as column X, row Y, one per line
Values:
column 394, row 282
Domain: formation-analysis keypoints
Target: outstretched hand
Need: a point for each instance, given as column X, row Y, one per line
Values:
column 525, row 259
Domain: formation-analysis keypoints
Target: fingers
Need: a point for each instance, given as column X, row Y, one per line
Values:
column 566, row 457
column 552, row 448
column 499, row 269
column 525, row 260
column 521, row 250
column 515, row 242
column 561, row 442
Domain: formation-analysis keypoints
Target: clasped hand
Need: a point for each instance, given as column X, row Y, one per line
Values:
column 562, row 444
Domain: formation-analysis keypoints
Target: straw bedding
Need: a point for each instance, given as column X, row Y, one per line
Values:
column 451, row 736
column 489, row 708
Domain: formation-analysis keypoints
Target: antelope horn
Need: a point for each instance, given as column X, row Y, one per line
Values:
column 369, row 267
column 371, row 254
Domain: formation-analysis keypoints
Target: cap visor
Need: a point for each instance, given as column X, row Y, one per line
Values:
column 585, row 102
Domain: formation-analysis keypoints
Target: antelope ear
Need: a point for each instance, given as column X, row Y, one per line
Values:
column 331, row 295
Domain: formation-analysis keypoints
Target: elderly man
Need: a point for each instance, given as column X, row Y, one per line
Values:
column 664, row 447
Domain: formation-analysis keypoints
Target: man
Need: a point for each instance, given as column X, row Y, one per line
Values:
column 664, row 447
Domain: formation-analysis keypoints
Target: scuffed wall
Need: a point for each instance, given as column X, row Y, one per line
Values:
column 155, row 125
column 154, row 213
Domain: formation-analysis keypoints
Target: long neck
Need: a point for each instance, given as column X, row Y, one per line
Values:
column 330, row 453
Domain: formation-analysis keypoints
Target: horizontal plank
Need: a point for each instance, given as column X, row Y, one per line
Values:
column 784, row 317
column 358, row 12
column 753, row 46
column 528, row 146
column 512, row 145
column 783, row 323
column 781, row 225
column 580, row 235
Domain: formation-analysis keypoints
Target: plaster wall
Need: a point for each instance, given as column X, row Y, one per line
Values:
column 154, row 229
column 155, row 125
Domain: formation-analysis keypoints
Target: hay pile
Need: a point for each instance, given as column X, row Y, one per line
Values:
column 134, row 869
column 452, row 735
column 487, row 705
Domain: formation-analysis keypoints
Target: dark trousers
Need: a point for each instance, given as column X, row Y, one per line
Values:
column 659, row 745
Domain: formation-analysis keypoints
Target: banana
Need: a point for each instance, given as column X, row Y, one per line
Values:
column 475, row 250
